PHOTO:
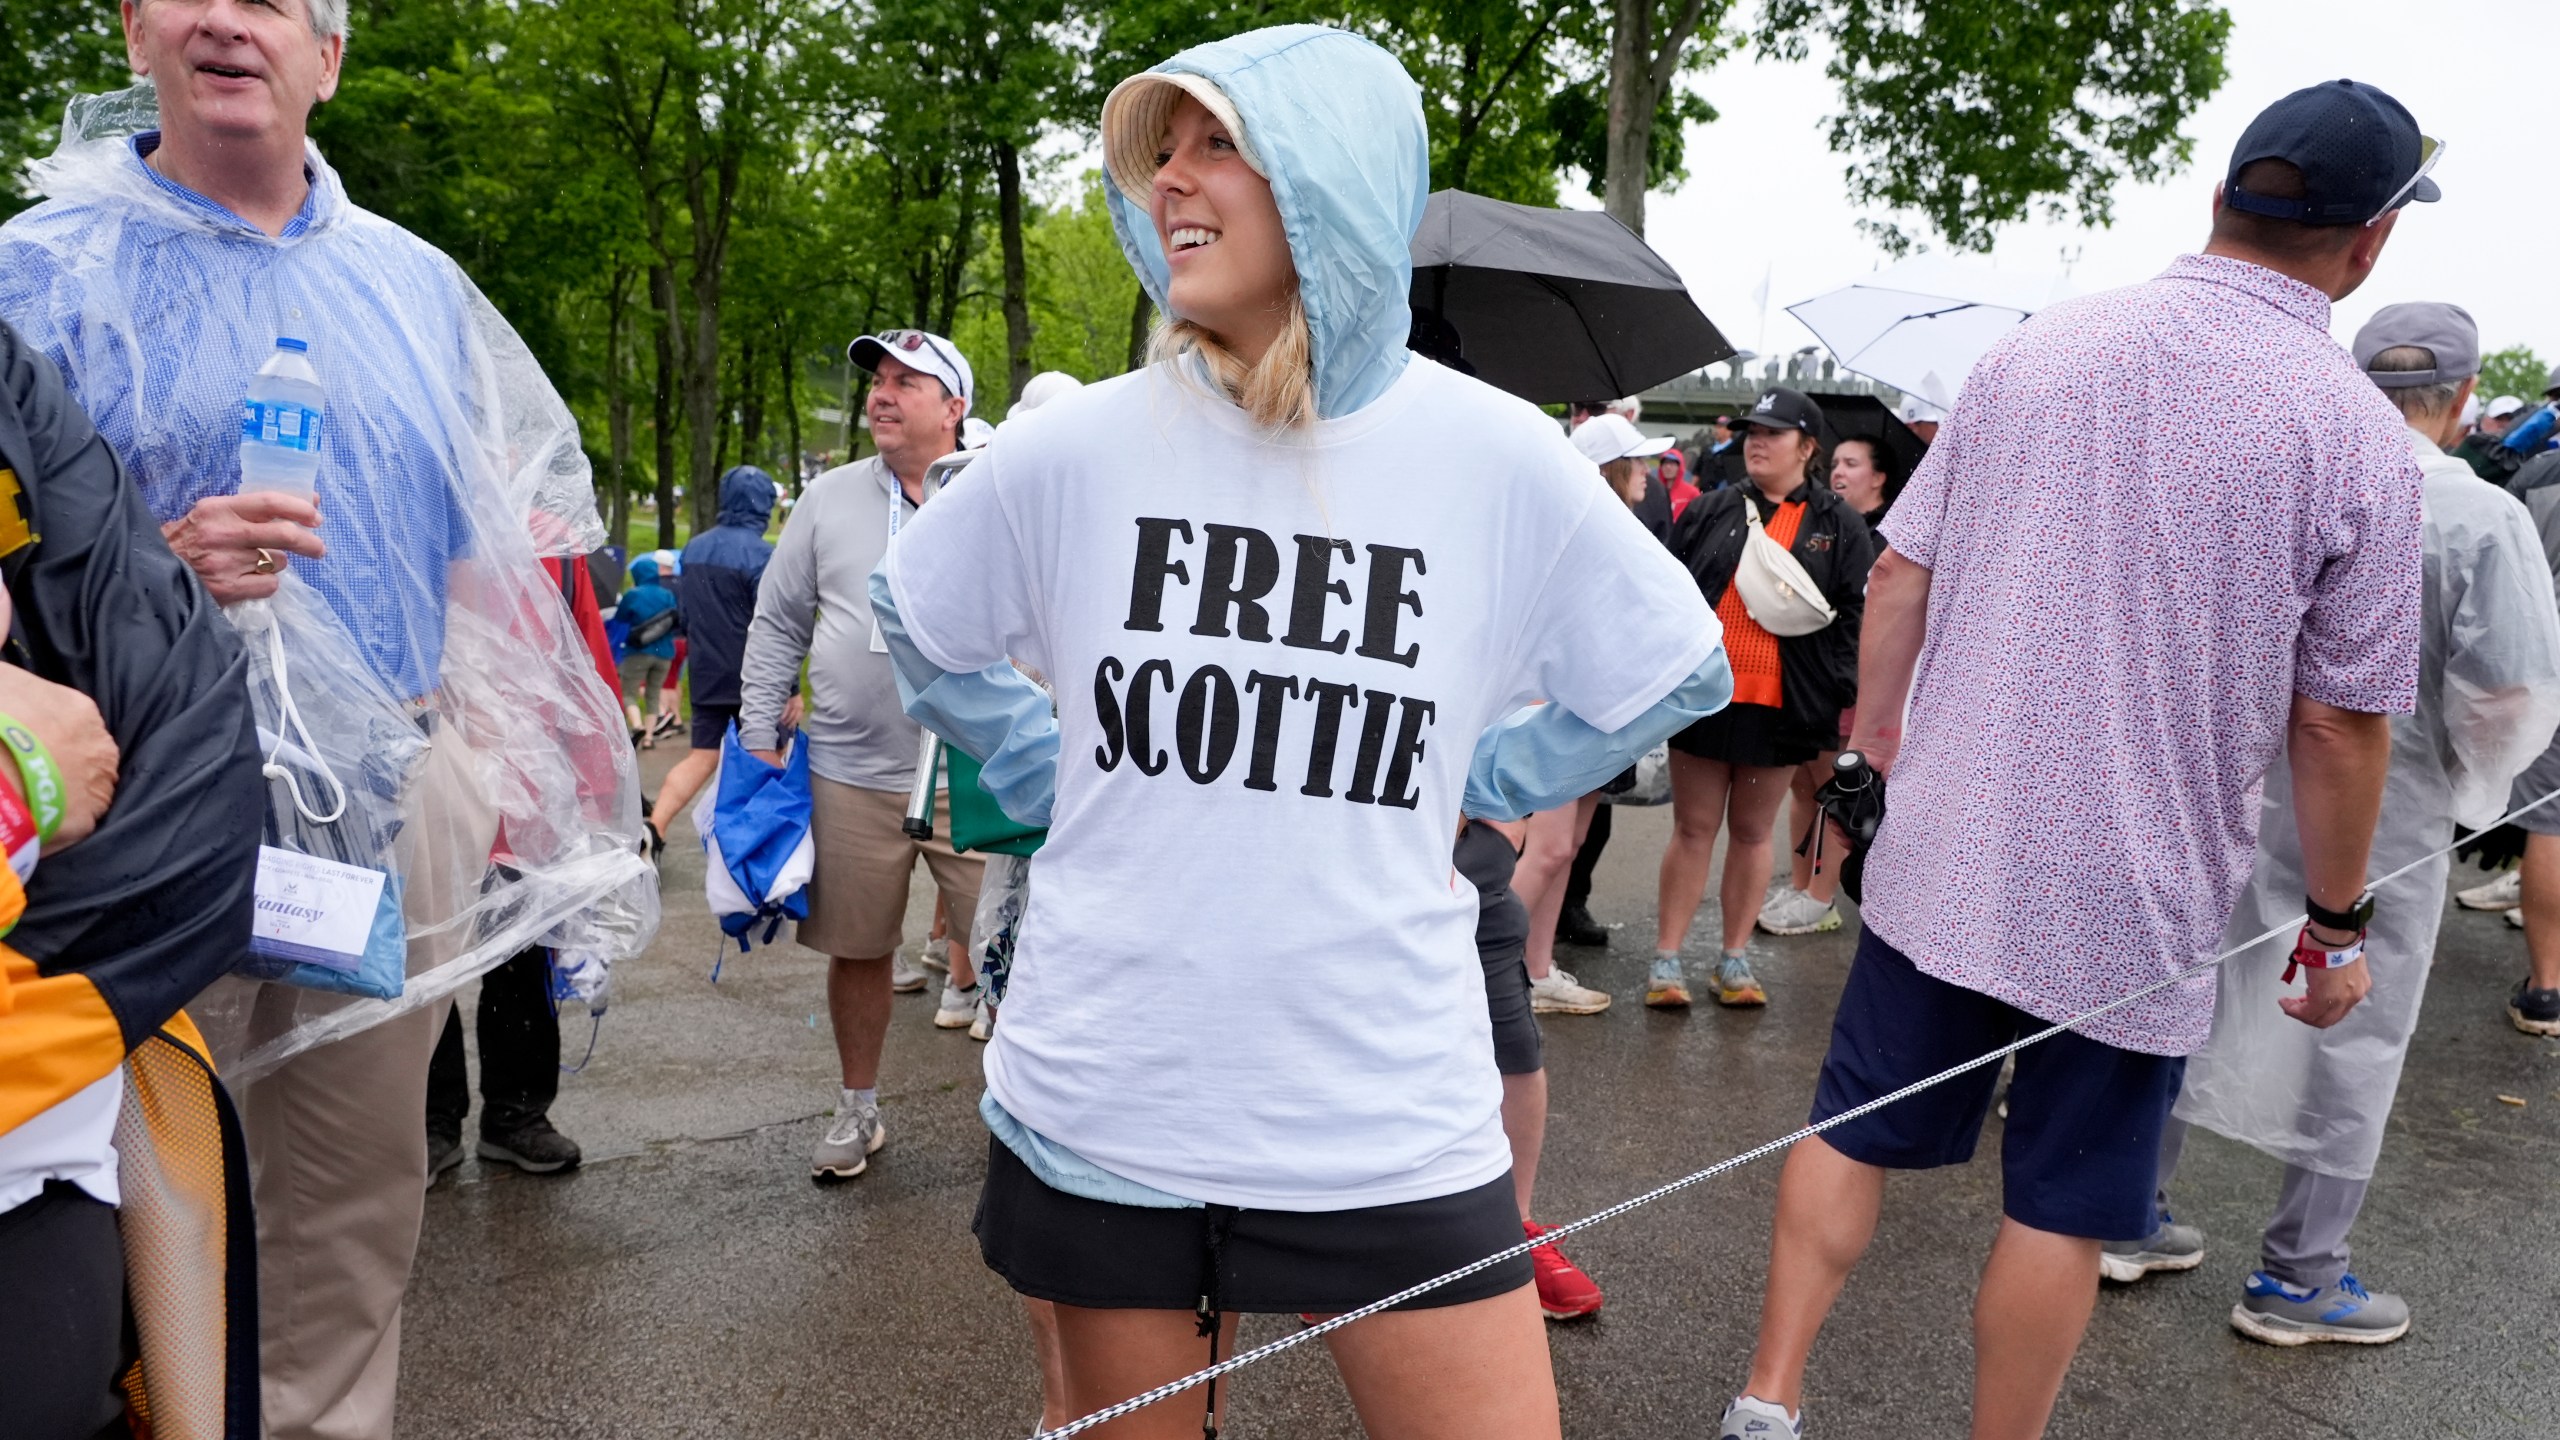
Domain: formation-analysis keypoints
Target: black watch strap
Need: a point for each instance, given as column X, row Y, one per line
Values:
column 2353, row 919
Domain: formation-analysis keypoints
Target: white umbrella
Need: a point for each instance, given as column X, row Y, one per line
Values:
column 1919, row 325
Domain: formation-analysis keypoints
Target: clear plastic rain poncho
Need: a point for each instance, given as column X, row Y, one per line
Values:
column 444, row 692
column 2488, row 699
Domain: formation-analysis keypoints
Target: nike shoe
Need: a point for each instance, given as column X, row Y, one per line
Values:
column 1749, row 1418
column 2281, row 1314
column 1564, row 1292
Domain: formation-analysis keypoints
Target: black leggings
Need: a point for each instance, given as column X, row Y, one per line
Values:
column 62, row 1330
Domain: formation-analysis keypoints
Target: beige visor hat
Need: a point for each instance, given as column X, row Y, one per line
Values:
column 1134, row 117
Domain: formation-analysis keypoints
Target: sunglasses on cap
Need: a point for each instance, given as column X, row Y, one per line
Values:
column 912, row 341
column 2430, row 150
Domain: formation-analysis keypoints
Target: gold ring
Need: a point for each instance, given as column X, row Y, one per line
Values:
column 267, row 564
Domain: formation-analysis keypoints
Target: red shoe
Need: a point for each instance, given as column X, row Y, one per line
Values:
column 1564, row 1292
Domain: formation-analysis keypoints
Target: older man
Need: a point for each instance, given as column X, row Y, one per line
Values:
column 2076, row 806
column 2488, row 700
column 814, row 604
column 163, row 270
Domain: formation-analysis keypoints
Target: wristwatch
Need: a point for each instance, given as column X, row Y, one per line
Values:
column 2354, row 919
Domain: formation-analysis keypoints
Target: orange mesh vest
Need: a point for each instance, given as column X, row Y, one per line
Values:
column 1750, row 650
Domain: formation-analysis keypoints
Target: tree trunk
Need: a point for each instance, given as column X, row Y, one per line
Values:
column 702, row 398
column 790, row 414
column 662, row 292
column 1630, row 111
column 1640, row 70
column 1017, row 280
column 955, row 267
column 617, row 405
column 750, row 404
column 1141, row 324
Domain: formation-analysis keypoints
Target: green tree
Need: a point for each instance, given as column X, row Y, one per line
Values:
column 2515, row 371
column 50, row 50
column 1970, row 114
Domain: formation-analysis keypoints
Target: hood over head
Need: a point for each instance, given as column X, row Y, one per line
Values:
column 1335, row 124
column 644, row 571
column 746, row 497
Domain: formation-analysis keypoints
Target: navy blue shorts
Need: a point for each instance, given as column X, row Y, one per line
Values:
column 2080, row 1154
column 711, row 725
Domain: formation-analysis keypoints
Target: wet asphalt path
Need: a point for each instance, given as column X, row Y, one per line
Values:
column 690, row 1281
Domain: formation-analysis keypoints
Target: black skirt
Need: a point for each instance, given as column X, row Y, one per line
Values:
column 1050, row 1245
column 1740, row 734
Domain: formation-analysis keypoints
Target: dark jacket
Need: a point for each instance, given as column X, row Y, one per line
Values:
column 722, row 567
column 126, row 927
column 1818, row 673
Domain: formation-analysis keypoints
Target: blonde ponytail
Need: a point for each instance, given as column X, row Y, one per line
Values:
column 1279, row 392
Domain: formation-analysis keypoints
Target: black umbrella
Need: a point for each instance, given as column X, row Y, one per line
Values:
column 1864, row 417
column 1551, row 305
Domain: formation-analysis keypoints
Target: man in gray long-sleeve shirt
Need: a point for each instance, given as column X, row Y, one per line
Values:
column 815, row 604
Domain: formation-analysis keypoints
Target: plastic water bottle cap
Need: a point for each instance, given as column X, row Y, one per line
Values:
column 299, row 347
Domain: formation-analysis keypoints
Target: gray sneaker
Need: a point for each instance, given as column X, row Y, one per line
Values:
column 958, row 1008
column 2346, row 1312
column 1749, row 1418
column 906, row 977
column 846, row 1149
column 2171, row 1247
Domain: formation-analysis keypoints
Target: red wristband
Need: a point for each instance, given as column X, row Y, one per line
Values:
column 2307, row 952
column 18, row 834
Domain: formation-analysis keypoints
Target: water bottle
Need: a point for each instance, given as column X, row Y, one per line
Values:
column 280, row 423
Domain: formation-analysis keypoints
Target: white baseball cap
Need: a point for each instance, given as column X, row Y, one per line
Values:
column 1916, row 411
column 2502, row 407
column 918, row 350
column 1604, row 438
column 1044, row 387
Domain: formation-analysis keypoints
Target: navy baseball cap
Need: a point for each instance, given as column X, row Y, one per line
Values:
column 2359, row 152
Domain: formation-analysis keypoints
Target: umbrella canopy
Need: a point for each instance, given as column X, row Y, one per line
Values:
column 1920, row 324
column 1551, row 305
column 1864, row 417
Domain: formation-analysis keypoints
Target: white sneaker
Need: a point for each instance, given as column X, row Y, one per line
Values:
column 1561, row 994
column 846, row 1149
column 1753, row 1419
column 1793, row 912
column 959, row 1007
column 982, row 1026
column 2504, row 893
column 905, row 976
column 2515, row 917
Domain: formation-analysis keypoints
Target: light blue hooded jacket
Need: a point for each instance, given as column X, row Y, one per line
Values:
column 1335, row 125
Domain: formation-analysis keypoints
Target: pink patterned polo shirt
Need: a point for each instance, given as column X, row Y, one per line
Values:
column 2155, row 515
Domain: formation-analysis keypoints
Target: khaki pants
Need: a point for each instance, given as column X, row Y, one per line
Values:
column 858, row 889
column 338, row 1159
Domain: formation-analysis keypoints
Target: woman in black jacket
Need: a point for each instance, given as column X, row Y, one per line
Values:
column 1731, row 770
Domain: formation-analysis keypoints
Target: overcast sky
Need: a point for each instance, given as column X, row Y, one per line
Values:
column 2465, row 68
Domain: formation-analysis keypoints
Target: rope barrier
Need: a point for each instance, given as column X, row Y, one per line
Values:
column 1554, row 1233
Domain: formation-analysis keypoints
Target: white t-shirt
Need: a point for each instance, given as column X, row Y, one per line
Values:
column 1248, row 973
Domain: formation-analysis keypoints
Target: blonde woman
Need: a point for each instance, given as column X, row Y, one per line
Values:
column 1296, row 590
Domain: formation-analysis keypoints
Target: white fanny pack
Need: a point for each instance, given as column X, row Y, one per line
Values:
column 1777, row 593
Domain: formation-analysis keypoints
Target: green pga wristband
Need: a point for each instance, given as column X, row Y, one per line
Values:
column 37, row 775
